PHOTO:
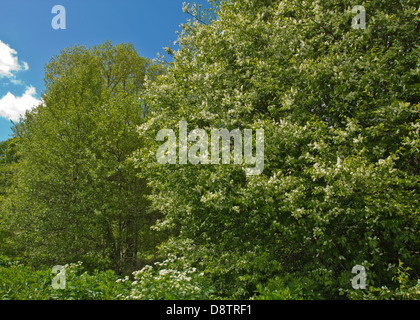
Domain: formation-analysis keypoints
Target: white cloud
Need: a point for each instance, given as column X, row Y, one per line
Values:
column 9, row 61
column 13, row 107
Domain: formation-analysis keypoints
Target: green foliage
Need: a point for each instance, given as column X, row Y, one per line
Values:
column 340, row 186
column 288, row 288
column 171, row 279
column 403, row 289
column 76, row 194
column 8, row 159
column 339, row 108
column 97, row 285
column 20, row 282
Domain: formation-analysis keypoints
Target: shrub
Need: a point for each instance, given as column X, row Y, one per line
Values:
column 405, row 289
column 20, row 282
column 172, row 279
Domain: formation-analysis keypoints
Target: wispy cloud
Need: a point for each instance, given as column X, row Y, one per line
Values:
column 14, row 108
column 17, row 82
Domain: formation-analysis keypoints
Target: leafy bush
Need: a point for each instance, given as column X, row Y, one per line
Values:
column 172, row 279
column 405, row 289
column 20, row 282
column 100, row 285
column 286, row 288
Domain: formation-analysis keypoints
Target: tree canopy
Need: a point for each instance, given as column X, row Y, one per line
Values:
column 339, row 108
column 75, row 185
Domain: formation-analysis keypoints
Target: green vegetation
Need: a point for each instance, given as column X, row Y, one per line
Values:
column 79, row 180
column 21, row 282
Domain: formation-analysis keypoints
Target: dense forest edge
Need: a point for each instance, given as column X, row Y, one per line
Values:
column 81, row 187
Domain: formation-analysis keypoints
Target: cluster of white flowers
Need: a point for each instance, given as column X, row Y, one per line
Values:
column 161, row 280
column 72, row 267
column 211, row 196
column 123, row 280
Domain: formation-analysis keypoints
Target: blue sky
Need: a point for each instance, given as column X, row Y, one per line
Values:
column 28, row 40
